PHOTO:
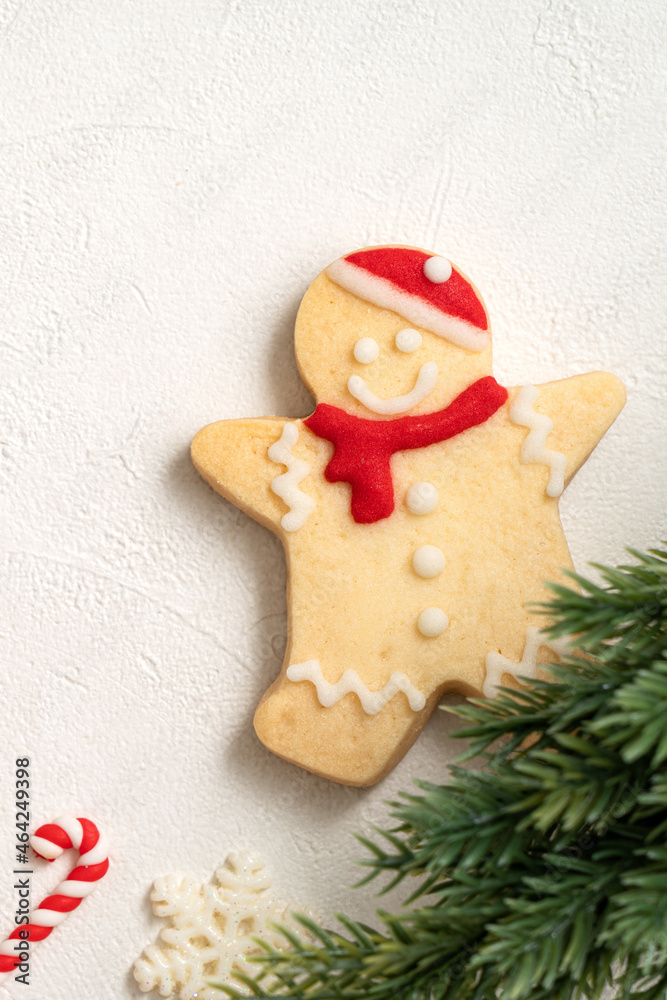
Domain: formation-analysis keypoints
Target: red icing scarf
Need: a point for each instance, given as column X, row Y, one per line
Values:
column 363, row 448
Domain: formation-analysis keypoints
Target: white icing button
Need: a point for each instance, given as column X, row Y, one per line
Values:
column 432, row 622
column 421, row 498
column 437, row 270
column 366, row 350
column 408, row 340
column 428, row 561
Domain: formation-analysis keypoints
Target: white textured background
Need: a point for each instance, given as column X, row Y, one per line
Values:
column 172, row 176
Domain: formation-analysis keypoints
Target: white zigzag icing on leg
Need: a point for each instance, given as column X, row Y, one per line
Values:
column 534, row 448
column 286, row 486
column 371, row 701
column 497, row 664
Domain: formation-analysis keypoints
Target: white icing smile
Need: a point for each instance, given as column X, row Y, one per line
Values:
column 426, row 379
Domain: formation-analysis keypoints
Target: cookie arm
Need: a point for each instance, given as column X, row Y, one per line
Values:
column 582, row 409
column 232, row 456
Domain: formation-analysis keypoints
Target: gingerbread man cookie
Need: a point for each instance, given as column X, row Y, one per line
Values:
column 418, row 508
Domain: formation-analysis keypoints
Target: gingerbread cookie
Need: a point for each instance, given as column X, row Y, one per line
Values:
column 418, row 508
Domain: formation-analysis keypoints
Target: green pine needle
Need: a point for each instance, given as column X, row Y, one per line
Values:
column 544, row 874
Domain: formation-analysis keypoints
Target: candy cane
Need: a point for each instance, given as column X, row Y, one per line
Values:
column 49, row 842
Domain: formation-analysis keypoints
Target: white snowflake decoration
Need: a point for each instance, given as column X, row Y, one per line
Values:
column 211, row 928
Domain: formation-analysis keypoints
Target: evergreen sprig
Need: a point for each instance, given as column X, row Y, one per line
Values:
column 544, row 874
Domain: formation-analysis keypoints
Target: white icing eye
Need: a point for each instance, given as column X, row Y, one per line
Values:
column 428, row 561
column 408, row 340
column 432, row 622
column 437, row 270
column 366, row 350
column 421, row 498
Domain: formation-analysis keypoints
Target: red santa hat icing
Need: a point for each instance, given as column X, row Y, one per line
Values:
column 425, row 289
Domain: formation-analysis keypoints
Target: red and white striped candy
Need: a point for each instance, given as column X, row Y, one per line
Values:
column 49, row 842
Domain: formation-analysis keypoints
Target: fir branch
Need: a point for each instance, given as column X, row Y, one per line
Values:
column 544, row 875
column 627, row 619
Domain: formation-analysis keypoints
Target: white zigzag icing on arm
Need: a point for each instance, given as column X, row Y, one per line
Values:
column 534, row 448
column 286, row 486
column 371, row 701
column 497, row 664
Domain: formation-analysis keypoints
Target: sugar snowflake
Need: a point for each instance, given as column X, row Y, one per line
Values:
column 211, row 929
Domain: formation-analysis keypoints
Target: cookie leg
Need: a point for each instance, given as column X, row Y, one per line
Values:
column 341, row 742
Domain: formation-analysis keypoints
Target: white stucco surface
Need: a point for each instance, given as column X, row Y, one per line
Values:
column 172, row 177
